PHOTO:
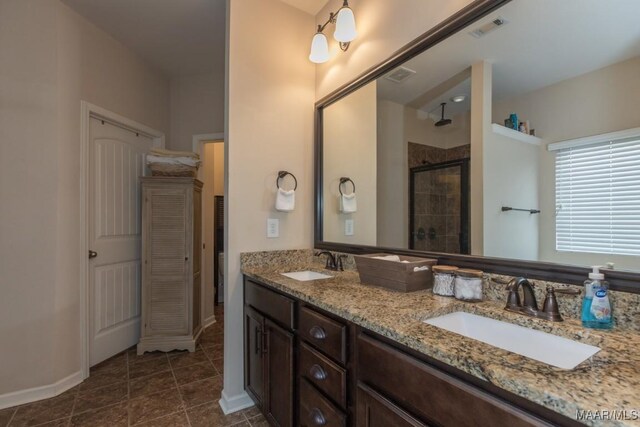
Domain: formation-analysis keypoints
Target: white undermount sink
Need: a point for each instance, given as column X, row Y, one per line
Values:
column 541, row 346
column 305, row 276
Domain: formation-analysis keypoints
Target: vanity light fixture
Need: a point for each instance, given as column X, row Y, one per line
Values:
column 344, row 33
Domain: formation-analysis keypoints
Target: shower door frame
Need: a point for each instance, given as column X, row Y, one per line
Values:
column 463, row 164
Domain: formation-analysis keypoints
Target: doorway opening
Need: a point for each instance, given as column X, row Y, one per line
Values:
column 211, row 149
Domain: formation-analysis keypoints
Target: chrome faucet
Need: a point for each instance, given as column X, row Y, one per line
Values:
column 529, row 307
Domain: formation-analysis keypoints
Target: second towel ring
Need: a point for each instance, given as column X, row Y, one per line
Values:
column 282, row 174
column 344, row 180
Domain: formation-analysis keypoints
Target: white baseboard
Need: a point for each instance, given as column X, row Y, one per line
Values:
column 209, row 321
column 235, row 403
column 38, row 393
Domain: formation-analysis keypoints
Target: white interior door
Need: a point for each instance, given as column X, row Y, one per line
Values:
column 116, row 162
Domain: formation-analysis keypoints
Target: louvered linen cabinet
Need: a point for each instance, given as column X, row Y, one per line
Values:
column 171, row 251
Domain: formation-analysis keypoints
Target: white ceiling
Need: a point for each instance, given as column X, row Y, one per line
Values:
column 544, row 42
column 179, row 37
column 310, row 6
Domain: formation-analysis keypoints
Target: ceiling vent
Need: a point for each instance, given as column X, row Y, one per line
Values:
column 400, row 74
column 488, row 27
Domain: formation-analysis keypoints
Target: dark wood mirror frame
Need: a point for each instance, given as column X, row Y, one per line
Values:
column 619, row 280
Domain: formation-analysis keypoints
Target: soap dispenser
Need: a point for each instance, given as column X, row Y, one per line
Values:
column 597, row 311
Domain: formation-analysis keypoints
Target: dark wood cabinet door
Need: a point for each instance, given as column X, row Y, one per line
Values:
column 279, row 374
column 374, row 410
column 254, row 358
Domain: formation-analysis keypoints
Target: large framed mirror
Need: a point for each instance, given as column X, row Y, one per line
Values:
column 506, row 138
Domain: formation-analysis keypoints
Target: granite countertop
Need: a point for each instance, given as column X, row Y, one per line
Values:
column 610, row 380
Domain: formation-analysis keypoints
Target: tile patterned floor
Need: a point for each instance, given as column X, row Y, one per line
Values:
column 157, row 389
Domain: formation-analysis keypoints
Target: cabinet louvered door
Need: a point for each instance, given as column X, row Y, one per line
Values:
column 198, row 303
column 171, row 245
column 166, row 261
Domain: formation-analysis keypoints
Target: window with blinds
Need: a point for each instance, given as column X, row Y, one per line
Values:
column 598, row 197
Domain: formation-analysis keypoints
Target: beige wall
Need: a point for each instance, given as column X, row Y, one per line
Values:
column 50, row 59
column 383, row 27
column 598, row 102
column 392, row 176
column 213, row 178
column 481, row 88
column 511, row 171
column 269, row 128
column 349, row 150
column 197, row 107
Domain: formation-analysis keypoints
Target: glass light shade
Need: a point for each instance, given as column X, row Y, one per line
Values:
column 319, row 49
column 345, row 26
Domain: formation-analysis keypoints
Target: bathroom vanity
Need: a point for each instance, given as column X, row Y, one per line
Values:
column 334, row 352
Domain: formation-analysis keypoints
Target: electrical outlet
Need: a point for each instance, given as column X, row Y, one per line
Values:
column 273, row 228
column 348, row 227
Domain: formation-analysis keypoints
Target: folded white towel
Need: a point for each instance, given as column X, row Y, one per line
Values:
column 348, row 203
column 170, row 153
column 188, row 161
column 285, row 200
column 395, row 258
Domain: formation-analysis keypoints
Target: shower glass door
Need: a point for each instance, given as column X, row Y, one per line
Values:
column 439, row 207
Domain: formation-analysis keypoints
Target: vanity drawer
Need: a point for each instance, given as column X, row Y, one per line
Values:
column 434, row 395
column 324, row 374
column 316, row 410
column 326, row 334
column 276, row 306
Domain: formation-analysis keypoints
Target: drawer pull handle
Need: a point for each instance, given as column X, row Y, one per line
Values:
column 318, row 373
column 317, row 417
column 317, row 332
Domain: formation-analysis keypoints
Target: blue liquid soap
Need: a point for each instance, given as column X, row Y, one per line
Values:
column 597, row 311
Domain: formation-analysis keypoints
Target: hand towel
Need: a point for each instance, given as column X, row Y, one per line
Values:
column 285, row 200
column 348, row 203
column 170, row 153
column 395, row 258
column 188, row 161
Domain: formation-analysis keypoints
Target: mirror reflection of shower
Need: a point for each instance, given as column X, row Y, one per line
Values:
column 439, row 207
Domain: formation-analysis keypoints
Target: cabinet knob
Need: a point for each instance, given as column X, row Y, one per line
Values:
column 317, row 417
column 318, row 373
column 317, row 332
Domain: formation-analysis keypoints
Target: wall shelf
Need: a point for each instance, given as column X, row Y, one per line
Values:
column 514, row 134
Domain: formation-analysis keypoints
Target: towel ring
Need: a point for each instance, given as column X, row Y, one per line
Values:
column 344, row 180
column 282, row 174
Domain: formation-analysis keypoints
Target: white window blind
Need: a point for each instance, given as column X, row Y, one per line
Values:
column 598, row 197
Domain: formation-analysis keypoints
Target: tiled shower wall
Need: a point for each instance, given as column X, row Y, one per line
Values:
column 437, row 198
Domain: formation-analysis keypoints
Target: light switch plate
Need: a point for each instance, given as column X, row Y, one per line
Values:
column 348, row 227
column 273, row 228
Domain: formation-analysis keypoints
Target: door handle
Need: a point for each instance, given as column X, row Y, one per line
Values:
column 92, row 254
column 258, row 339
column 265, row 341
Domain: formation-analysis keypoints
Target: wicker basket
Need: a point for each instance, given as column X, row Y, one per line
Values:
column 166, row 169
column 398, row 276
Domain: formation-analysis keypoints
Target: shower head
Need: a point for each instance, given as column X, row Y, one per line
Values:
column 443, row 121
